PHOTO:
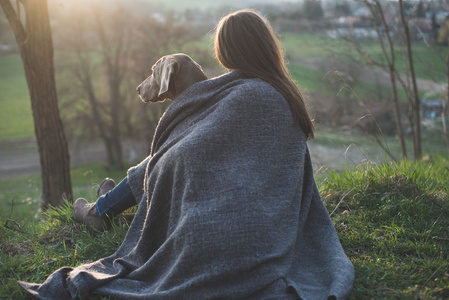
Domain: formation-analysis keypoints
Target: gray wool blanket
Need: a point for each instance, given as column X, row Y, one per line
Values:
column 228, row 209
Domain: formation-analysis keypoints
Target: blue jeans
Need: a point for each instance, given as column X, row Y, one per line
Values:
column 115, row 201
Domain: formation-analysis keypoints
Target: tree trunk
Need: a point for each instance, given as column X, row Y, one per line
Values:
column 397, row 114
column 36, row 49
column 390, row 58
column 115, row 113
column 391, row 71
column 415, row 102
column 445, row 106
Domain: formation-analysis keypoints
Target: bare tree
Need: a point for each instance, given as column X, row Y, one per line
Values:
column 415, row 96
column 378, row 15
column 390, row 58
column 106, row 57
column 33, row 35
column 101, row 41
column 445, row 61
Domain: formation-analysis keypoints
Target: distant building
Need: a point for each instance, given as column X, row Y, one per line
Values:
column 432, row 108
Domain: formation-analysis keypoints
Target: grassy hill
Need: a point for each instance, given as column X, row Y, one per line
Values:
column 391, row 219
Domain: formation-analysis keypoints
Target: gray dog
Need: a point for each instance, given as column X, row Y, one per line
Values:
column 172, row 74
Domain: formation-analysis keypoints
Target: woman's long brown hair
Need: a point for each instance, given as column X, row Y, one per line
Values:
column 244, row 40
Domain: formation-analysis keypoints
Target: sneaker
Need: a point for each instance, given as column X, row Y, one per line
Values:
column 86, row 213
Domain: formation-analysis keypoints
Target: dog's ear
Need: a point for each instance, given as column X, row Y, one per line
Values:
column 169, row 68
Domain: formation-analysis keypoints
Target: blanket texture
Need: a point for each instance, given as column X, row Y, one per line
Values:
column 228, row 209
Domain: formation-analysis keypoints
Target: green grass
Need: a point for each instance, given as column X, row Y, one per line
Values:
column 391, row 219
column 22, row 195
column 16, row 121
column 32, row 247
column 314, row 80
column 31, row 253
column 307, row 79
column 427, row 63
column 321, row 80
column 306, row 45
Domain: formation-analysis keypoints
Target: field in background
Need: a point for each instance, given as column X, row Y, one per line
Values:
column 427, row 61
column 181, row 5
column 16, row 120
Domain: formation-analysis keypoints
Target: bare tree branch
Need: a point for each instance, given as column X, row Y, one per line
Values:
column 416, row 104
column 391, row 71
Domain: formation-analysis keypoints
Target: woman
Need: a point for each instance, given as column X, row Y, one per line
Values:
column 244, row 41
column 227, row 204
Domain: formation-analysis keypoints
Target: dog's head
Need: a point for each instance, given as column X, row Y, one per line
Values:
column 171, row 75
